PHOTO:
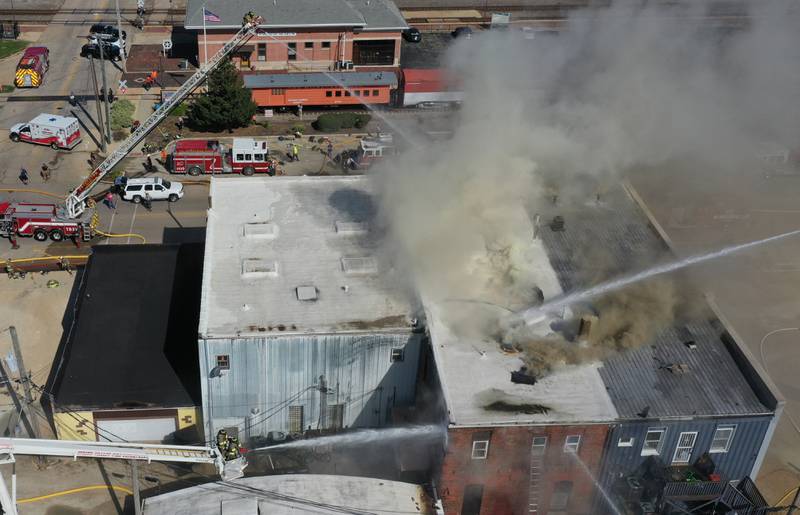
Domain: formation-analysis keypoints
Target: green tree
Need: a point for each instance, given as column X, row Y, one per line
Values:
column 226, row 104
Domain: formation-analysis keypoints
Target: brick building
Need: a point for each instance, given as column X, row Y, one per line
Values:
column 303, row 35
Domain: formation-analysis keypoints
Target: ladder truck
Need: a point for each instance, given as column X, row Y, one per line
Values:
column 69, row 220
column 133, row 452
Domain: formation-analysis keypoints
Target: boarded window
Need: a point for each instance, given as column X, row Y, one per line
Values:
column 295, row 419
column 335, row 416
column 473, row 498
column 560, row 498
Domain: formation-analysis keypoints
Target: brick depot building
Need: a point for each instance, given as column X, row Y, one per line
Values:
column 302, row 36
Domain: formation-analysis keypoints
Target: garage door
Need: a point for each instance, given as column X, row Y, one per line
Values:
column 151, row 430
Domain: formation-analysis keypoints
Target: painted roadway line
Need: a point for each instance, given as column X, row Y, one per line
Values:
column 133, row 220
column 110, row 224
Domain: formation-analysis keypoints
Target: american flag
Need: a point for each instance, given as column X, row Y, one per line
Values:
column 209, row 16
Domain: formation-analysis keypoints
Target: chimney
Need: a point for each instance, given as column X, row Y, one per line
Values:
column 557, row 225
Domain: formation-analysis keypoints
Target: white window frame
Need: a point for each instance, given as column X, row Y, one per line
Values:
column 538, row 449
column 574, row 446
column 660, row 445
column 626, row 442
column 679, row 448
column 480, row 449
column 728, row 442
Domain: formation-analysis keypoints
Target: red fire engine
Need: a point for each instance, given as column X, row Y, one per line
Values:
column 41, row 221
column 246, row 156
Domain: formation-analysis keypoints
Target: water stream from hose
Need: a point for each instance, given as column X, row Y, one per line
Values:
column 430, row 433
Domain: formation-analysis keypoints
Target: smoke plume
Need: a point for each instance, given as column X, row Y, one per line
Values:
column 617, row 91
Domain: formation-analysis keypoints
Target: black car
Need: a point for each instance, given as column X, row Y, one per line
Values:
column 412, row 35
column 105, row 31
column 464, row 32
column 109, row 51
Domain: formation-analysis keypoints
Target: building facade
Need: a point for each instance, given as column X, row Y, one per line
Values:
column 303, row 35
column 303, row 324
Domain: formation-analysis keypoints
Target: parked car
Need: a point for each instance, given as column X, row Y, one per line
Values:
column 105, row 31
column 464, row 32
column 136, row 190
column 109, row 51
column 412, row 35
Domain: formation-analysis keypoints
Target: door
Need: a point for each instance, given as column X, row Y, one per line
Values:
column 149, row 430
column 245, row 59
column 473, row 498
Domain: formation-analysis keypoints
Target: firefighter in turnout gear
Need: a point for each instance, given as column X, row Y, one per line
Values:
column 222, row 441
column 233, row 449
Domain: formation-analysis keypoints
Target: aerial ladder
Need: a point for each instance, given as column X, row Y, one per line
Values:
column 134, row 452
column 76, row 200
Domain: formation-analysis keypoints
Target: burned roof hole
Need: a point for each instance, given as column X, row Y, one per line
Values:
column 355, row 205
column 511, row 407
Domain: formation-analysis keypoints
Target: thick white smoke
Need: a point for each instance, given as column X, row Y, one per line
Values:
column 618, row 90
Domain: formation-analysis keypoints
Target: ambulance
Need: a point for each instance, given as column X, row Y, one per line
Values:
column 60, row 132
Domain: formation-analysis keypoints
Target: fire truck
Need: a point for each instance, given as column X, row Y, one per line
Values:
column 41, row 221
column 246, row 156
column 60, row 132
column 32, row 67
column 71, row 219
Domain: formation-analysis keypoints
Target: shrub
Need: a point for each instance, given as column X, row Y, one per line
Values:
column 180, row 109
column 335, row 121
column 6, row 88
column 118, row 134
column 299, row 128
column 122, row 114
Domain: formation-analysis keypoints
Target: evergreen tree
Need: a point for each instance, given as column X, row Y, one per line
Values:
column 226, row 104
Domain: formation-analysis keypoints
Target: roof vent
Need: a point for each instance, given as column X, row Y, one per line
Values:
column 306, row 293
column 351, row 228
column 260, row 230
column 255, row 268
column 522, row 377
column 360, row 266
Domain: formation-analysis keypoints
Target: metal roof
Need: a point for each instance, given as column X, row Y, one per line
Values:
column 282, row 14
column 320, row 80
column 637, row 379
column 271, row 240
column 293, row 494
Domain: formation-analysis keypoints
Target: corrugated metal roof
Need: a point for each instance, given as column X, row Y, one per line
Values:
column 375, row 15
column 319, row 80
column 639, row 379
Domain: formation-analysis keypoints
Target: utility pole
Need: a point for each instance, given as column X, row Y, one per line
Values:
column 97, row 100
column 323, row 403
column 795, row 502
column 15, row 399
column 105, row 89
column 137, row 503
column 119, row 29
column 24, row 377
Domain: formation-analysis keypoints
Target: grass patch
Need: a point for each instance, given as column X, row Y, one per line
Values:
column 335, row 121
column 11, row 46
column 122, row 114
column 6, row 88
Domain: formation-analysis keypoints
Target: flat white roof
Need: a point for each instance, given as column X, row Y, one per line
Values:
column 293, row 494
column 476, row 374
column 54, row 120
column 297, row 255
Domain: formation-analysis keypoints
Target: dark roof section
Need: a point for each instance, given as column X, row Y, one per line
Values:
column 133, row 341
column 297, row 14
column 428, row 53
column 320, row 80
column 640, row 381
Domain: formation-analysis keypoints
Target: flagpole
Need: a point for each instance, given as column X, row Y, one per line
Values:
column 205, row 37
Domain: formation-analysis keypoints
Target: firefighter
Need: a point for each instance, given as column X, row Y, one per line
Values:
column 232, row 451
column 222, row 441
column 295, row 152
column 249, row 17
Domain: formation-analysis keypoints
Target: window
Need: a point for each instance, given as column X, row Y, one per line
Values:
column 292, row 51
column 239, row 157
column 357, row 92
column 295, row 419
column 248, row 157
column 374, row 92
column 326, row 44
column 374, row 52
column 560, row 498
column 262, row 51
column 329, row 93
column 134, row 188
column 309, row 45
column 473, row 498
column 480, row 445
column 278, row 91
column 723, row 437
column 158, row 187
column 572, row 443
column 338, row 93
column 653, row 441
column 683, row 451
column 626, row 442
column 148, row 187
column 366, row 92
column 539, row 445
column 224, row 362
column 258, row 157
column 396, row 355
column 347, row 92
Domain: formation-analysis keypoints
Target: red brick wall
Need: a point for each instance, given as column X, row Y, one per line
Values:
column 505, row 473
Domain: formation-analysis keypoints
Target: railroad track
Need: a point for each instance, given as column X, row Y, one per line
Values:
column 82, row 16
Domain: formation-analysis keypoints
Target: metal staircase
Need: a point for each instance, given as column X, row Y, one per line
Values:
column 75, row 201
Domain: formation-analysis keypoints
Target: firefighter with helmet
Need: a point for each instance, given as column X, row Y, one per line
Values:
column 249, row 18
column 222, row 441
column 233, row 449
